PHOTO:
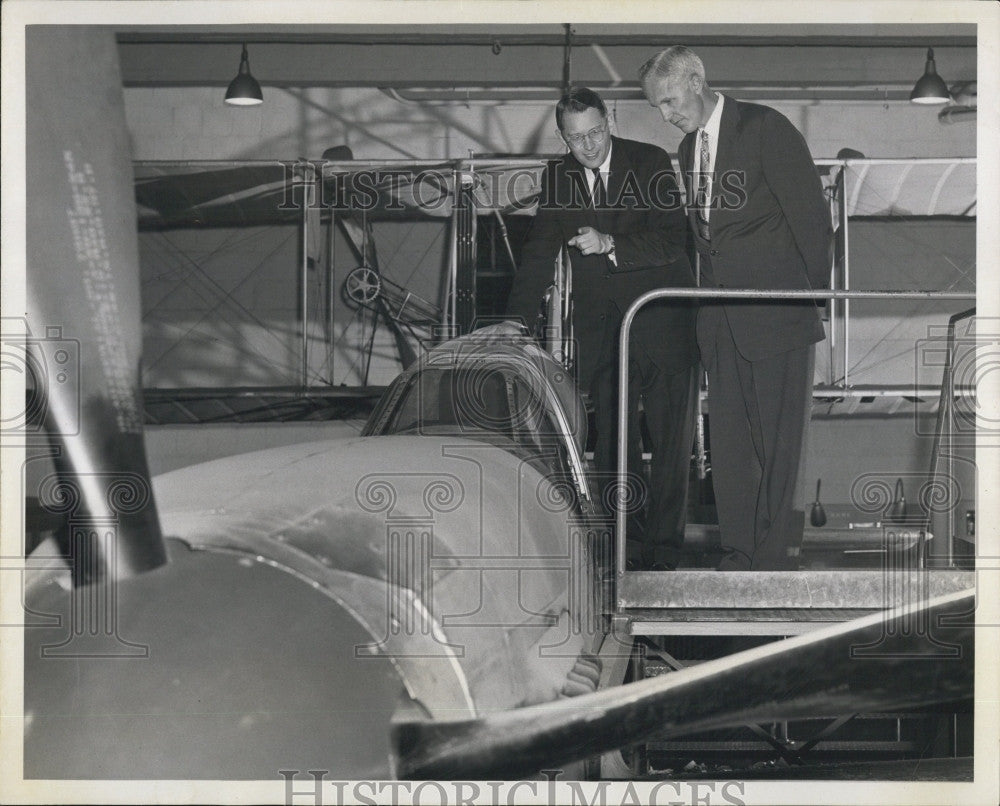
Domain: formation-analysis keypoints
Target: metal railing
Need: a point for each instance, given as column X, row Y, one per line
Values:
column 944, row 427
column 717, row 293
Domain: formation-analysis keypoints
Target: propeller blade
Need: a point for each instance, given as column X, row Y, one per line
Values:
column 83, row 300
column 877, row 662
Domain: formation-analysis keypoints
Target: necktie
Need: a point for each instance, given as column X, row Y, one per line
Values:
column 703, row 194
column 598, row 193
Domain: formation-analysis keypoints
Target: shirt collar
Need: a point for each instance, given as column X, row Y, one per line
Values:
column 714, row 120
column 606, row 165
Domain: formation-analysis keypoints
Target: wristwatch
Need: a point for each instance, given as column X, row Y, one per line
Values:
column 611, row 249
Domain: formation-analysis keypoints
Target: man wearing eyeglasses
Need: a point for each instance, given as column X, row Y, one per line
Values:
column 613, row 204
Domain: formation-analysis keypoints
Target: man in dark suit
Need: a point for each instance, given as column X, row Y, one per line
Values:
column 759, row 218
column 614, row 205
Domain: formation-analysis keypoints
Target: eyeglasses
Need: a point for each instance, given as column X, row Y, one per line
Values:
column 596, row 135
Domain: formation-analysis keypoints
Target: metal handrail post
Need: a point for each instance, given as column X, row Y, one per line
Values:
column 944, row 423
column 307, row 178
column 846, row 307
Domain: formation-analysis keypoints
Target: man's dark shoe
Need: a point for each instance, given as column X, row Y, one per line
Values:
column 663, row 567
column 734, row 560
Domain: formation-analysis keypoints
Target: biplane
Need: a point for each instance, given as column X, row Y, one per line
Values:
column 434, row 597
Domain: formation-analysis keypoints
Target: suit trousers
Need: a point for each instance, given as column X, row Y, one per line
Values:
column 758, row 419
column 657, row 509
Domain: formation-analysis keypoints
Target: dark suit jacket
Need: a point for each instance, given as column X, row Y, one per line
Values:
column 770, row 226
column 647, row 220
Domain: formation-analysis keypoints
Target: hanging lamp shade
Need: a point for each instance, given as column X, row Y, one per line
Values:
column 244, row 89
column 930, row 89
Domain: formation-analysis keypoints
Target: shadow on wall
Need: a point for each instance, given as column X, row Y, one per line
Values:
column 222, row 306
column 194, row 123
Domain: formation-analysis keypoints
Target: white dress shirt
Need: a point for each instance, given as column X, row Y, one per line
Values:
column 604, row 170
column 712, row 127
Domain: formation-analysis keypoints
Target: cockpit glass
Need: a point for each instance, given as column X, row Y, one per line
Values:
column 490, row 402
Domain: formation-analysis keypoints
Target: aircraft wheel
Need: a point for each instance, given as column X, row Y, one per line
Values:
column 363, row 285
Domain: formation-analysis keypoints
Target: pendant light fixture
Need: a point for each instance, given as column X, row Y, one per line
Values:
column 244, row 89
column 930, row 89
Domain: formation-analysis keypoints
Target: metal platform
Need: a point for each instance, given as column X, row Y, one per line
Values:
column 775, row 603
column 848, row 532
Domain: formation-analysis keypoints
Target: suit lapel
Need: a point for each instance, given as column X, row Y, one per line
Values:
column 685, row 155
column 576, row 177
column 619, row 168
column 729, row 128
column 684, row 159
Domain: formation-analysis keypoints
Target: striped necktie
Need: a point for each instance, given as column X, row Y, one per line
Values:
column 703, row 194
column 598, row 193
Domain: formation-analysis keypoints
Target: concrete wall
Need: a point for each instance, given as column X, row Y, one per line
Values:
column 194, row 123
column 174, row 446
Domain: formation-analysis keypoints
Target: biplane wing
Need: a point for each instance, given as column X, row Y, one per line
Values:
column 335, row 193
column 251, row 193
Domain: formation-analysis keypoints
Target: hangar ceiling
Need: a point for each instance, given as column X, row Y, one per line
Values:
column 438, row 62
